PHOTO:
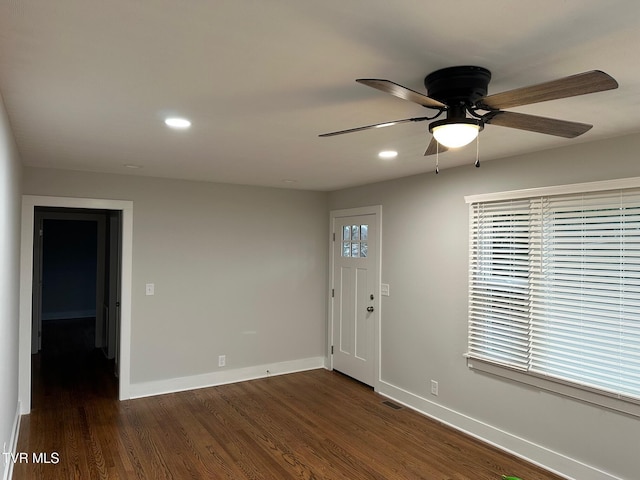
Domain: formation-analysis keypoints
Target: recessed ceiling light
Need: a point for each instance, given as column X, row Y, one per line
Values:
column 387, row 154
column 179, row 123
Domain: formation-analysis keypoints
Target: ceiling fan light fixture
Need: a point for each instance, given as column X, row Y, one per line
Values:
column 454, row 133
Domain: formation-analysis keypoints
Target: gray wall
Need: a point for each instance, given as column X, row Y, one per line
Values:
column 10, row 202
column 238, row 271
column 424, row 321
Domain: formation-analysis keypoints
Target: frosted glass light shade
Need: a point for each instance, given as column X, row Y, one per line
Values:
column 454, row 135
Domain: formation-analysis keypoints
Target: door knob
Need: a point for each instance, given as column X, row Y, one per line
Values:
column 369, row 309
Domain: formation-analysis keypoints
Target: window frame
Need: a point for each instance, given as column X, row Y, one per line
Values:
column 595, row 396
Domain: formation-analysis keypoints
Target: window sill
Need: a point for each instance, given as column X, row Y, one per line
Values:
column 556, row 386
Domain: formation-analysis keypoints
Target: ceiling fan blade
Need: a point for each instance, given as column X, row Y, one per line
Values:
column 399, row 91
column 580, row 84
column 434, row 148
column 533, row 123
column 377, row 125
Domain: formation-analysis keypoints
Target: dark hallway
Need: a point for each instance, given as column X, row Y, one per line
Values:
column 70, row 370
column 71, row 361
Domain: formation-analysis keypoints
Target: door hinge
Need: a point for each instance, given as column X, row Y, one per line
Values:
column 333, row 293
column 331, row 349
column 334, row 236
column 41, row 232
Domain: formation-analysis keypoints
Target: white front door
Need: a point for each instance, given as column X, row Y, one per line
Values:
column 355, row 295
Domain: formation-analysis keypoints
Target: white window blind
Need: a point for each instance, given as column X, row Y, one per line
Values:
column 499, row 285
column 554, row 288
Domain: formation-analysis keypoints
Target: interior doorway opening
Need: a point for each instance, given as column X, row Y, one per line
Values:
column 123, row 355
column 77, row 260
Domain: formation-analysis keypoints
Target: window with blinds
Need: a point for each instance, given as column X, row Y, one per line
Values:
column 554, row 288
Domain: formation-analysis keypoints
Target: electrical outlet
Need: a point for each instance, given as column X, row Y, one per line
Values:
column 222, row 360
column 434, row 387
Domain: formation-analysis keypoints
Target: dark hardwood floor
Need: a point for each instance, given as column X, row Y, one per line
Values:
column 69, row 369
column 309, row 425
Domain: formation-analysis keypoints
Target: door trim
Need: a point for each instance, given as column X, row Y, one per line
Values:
column 29, row 202
column 350, row 212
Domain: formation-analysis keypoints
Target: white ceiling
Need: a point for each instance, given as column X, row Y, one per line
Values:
column 87, row 83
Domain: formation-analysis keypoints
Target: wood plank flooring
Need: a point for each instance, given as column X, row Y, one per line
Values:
column 309, row 425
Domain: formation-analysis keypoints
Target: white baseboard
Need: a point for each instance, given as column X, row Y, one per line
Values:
column 222, row 377
column 13, row 445
column 552, row 461
column 68, row 315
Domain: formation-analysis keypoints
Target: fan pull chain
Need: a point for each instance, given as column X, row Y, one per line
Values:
column 437, row 157
column 477, row 152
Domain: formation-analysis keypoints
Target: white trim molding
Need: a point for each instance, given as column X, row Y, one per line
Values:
column 29, row 202
column 557, row 386
column 600, row 186
column 13, row 446
column 550, row 460
column 223, row 377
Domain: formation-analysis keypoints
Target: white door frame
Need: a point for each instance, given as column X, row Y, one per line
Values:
column 29, row 202
column 350, row 212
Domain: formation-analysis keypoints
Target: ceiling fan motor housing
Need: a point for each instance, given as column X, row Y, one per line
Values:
column 458, row 87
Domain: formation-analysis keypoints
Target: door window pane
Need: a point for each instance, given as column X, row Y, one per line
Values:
column 354, row 241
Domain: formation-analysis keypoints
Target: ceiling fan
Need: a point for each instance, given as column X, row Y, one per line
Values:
column 461, row 93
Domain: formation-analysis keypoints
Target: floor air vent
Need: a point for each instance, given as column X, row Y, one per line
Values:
column 392, row 405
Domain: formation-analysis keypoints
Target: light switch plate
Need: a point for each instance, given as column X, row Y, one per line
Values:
column 150, row 289
column 384, row 289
